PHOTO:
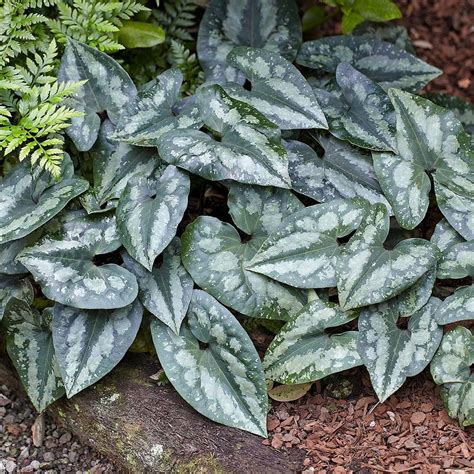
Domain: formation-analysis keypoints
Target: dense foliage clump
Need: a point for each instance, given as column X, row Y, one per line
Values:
column 350, row 202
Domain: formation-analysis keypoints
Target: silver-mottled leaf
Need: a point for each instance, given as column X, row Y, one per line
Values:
column 360, row 111
column 302, row 351
column 343, row 172
column 108, row 89
column 302, row 251
column 367, row 273
column 249, row 149
column 457, row 307
column 149, row 212
column 165, row 291
column 279, row 90
column 28, row 201
column 464, row 111
column 11, row 286
column 223, row 381
column 273, row 25
column 9, row 251
column 395, row 34
column 30, row 347
column 380, row 61
column 392, row 354
column 89, row 344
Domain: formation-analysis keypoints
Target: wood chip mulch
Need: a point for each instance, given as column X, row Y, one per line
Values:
column 410, row 432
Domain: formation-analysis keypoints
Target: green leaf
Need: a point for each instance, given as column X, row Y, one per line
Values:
column 273, row 25
column 140, row 34
column 372, row 10
column 302, row 251
column 279, row 90
column 113, row 165
column 457, row 307
column 451, row 366
column 457, row 257
column 108, row 89
column 367, row 273
column 165, row 291
column 392, row 354
column 380, row 61
column 343, row 172
column 312, row 17
column 360, row 112
column 429, row 139
column 248, row 149
column 30, row 347
column 149, row 212
column 303, row 352
column 216, row 258
column 11, row 286
column 64, row 267
column 89, row 344
column 224, row 379
column 27, row 201
column 289, row 393
column 153, row 112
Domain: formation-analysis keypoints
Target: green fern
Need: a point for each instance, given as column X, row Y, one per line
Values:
column 176, row 17
column 182, row 58
column 32, row 112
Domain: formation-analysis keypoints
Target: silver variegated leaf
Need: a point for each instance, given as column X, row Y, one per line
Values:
column 303, row 250
column 464, row 111
column 167, row 290
column 152, row 113
column 11, row 286
column 367, row 273
column 29, row 344
column 360, row 111
column 28, row 201
column 149, row 212
column 9, row 251
column 108, row 89
column 273, row 25
column 380, row 61
column 457, row 307
column 279, row 90
column 249, row 149
column 392, row 354
column 428, row 138
column 89, row 344
column 64, row 268
column 303, row 352
column 113, row 165
column 457, row 255
column 344, row 171
column 397, row 35
column 451, row 367
column 214, row 366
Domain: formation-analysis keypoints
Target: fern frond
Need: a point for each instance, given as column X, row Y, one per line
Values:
column 187, row 62
column 176, row 16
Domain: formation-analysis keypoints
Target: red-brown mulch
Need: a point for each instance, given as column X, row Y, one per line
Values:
column 410, row 432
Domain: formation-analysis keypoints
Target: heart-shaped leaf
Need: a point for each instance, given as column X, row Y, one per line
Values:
column 89, row 344
column 108, row 88
column 248, row 150
column 64, row 267
column 428, row 138
column 392, row 354
column 457, row 258
column 360, row 112
column 113, row 165
column 216, row 258
column 303, row 250
column 30, row 347
column 273, row 25
column 149, row 212
column 380, row 61
column 457, row 307
column 152, row 113
column 303, row 352
column 214, row 366
column 451, row 366
column 27, row 201
column 165, row 291
column 367, row 273
column 344, row 171
column 11, row 286
column 279, row 90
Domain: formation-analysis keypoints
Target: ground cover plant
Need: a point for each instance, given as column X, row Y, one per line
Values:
column 348, row 228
